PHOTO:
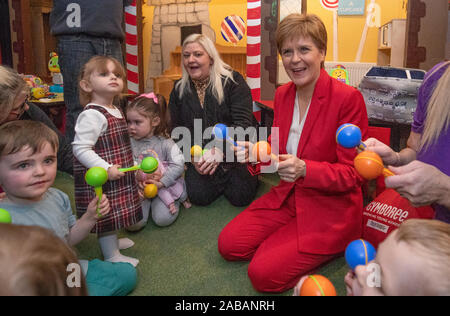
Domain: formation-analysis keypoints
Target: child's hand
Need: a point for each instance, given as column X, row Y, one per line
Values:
column 158, row 184
column 348, row 280
column 104, row 208
column 114, row 173
column 2, row 195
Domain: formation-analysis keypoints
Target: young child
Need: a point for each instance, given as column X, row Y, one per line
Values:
column 101, row 140
column 412, row 260
column 148, row 121
column 34, row 262
column 27, row 172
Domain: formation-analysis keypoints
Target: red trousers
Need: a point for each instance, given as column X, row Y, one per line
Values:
column 268, row 238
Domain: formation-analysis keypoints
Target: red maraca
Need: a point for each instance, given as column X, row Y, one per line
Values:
column 263, row 152
column 370, row 165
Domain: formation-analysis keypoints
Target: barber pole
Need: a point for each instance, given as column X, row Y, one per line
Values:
column 131, row 38
column 254, row 52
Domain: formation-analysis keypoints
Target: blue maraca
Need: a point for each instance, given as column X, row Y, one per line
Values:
column 220, row 132
column 359, row 252
column 349, row 136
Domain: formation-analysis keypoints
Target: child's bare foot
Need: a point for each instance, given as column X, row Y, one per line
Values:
column 187, row 204
column 172, row 208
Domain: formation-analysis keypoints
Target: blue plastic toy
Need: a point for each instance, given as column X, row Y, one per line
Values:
column 349, row 136
column 220, row 132
column 359, row 252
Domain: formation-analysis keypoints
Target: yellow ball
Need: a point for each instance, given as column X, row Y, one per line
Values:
column 150, row 191
column 196, row 151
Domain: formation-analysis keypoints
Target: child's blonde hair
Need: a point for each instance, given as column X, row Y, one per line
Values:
column 438, row 110
column 148, row 107
column 34, row 262
column 17, row 135
column 11, row 85
column 98, row 63
column 430, row 239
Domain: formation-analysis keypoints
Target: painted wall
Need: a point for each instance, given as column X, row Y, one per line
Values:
column 350, row 28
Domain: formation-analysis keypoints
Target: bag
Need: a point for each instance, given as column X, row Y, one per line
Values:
column 385, row 214
column 390, row 94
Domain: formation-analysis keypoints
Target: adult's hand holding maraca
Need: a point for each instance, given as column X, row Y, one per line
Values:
column 421, row 183
column 209, row 161
column 386, row 153
column 243, row 151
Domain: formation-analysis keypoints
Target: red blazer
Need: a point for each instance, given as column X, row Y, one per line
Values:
column 328, row 199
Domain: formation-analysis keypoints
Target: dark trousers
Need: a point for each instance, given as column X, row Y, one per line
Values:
column 235, row 183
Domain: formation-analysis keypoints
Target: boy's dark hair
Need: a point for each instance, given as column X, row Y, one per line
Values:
column 16, row 135
column 149, row 108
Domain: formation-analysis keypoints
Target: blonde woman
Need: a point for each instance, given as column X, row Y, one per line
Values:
column 211, row 92
column 422, row 169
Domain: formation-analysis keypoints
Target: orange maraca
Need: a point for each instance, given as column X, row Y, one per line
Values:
column 370, row 165
column 263, row 152
column 317, row 285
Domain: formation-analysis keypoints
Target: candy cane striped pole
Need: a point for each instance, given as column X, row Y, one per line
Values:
column 254, row 50
column 131, row 39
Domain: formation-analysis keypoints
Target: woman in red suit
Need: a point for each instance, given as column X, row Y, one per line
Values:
column 316, row 210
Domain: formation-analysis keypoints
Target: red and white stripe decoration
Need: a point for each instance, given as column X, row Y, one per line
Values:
column 131, row 39
column 254, row 51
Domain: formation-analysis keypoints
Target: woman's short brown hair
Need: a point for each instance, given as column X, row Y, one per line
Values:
column 305, row 26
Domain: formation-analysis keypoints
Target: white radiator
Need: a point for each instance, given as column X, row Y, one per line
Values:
column 356, row 71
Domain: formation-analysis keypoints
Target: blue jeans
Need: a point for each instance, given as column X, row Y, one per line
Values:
column 74, row 51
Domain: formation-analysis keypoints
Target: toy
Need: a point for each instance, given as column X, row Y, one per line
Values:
column 349, row 136
column 196, row 151
column 340, row 73
column 57, row 79
column 5, row 217
column 317, row 285
column 148, row 165
column 220, row 132
column 38, row 89
column 370, row 165
column 263, row 152
column 96, row 177
column 37, row 93
column 359, row 252
column 150, row 191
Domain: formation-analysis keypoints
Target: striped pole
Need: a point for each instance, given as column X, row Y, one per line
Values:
column 131, row 39
column 254, row 51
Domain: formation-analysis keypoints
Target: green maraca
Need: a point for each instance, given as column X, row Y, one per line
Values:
column 148, row 165
column 5, row 217
column 96, row 177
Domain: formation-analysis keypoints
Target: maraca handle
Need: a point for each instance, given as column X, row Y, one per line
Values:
column 387, row 173
column 99, row 193
column 134, row 168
